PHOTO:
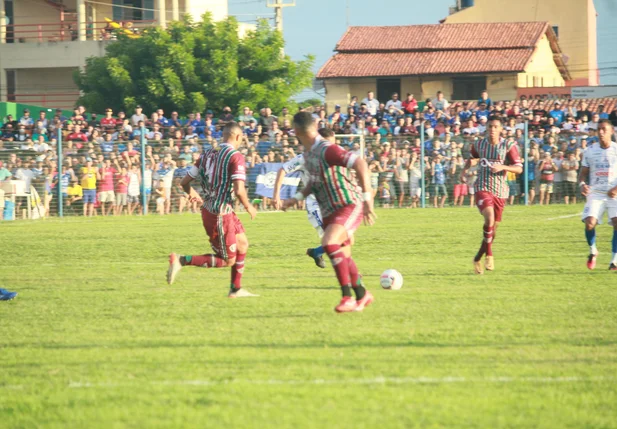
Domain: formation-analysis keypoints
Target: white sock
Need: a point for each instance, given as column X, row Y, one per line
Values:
column 320, row 231
column 593, row 249
column 614, row 260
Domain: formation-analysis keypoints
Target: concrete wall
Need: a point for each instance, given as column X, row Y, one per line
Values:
column 410, row 85
column 576, row 20
column 430, row 86
column 541, row 70
column 337, row 92
column 49, row 54
column 501, row 87
column 49, row 87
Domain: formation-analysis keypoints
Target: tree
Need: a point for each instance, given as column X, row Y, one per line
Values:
column 193, row 65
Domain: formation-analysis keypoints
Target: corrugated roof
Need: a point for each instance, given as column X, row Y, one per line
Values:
column 473, row 36
column 424, row 63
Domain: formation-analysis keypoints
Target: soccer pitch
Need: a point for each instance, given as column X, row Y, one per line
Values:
column 96, row 338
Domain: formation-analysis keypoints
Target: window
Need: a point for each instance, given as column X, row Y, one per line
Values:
column 468, row 88
column 133, row 10
column 11, row 85
column 556, row 30
column 385, row 88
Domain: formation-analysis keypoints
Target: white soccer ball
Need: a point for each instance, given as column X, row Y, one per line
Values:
column 391, row 279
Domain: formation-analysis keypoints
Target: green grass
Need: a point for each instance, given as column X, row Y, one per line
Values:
column 97, row 339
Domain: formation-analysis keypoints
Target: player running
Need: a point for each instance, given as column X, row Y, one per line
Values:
column 220, row 172
column 495, row 157
column 312, row 208
column 342, row 203
column 599, row 166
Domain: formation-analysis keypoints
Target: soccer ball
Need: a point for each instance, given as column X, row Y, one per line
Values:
column 391, row 279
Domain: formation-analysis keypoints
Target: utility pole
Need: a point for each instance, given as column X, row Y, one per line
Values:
column 278, row 6
column 347, row 14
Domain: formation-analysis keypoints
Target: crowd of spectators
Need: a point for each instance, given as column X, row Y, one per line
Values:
column 102, row 172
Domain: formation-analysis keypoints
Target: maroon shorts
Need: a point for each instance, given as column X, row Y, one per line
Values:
column 222, row 230
column 460, row 190
column 349, row 216
column 485, row 199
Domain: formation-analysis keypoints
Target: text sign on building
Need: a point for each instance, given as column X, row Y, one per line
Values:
column 594, row 91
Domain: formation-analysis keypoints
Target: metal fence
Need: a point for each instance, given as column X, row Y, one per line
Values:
column 136, row 175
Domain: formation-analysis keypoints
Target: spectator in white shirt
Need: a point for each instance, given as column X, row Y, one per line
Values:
column 482, row 125
column 138, row 116
column 440, row 103
column 470, row 129
column 396, row 103
column 372, row 104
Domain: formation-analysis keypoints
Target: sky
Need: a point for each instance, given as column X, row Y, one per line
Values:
column 315, row 26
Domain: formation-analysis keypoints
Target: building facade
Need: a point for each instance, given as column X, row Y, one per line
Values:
column 453, row 58
column 42, row 42
column 573, row 21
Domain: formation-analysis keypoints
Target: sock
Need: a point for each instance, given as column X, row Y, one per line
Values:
column 206, row 261
column 614, row 249
column 489, row 237
column 591, row 240
column 340, row 265
column 236, row 271
column 318, row 251
column 356, row 279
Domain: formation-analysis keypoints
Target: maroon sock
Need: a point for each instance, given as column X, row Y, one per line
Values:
column 206, row 261
column 339, row 263
column 489, row 237
column 354, row 275
column 236, row 271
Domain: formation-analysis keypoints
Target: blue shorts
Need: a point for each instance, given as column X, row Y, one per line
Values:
column 89, row 196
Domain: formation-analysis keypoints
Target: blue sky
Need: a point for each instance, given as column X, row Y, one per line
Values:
column 314, row 26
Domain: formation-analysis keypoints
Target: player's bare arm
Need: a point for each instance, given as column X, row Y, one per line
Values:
column 516, row 169
column 280, row 175
column 363, row 176
column 240, row 191
column 582, row 180
column 301, row 195
column 471, row 162
column 193, row 195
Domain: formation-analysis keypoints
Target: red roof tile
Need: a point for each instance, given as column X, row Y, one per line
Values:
column 501, row 35
column 425, row 63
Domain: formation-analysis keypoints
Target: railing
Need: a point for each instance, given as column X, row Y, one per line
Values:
column 63, row 100
column 66, row 31
column 159, row 193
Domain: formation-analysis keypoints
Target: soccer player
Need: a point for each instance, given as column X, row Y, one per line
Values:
column 495, row 157
column 312, row 208
column 342, row 203
column 599, row 167
column 220, row 172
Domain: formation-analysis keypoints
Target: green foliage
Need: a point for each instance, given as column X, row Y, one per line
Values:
column 193, row 65
column 310, row 102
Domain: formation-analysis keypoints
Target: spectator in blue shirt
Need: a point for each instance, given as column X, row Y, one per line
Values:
column 430, row 116
column 482, row 110
column 557, row 113
column 484, row 99
column 602, row 113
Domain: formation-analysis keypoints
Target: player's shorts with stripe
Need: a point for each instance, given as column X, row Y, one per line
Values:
column 313, row 211
column 349, row 216
column 222, row 230
column 485, row 199
column 597, row 204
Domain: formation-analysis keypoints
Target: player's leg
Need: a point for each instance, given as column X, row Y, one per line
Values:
column 334, row 236
column 237, row 269
column 485, row 205
column 314, row 217
column 613, row 265
column 593, row 211
column 214, row 226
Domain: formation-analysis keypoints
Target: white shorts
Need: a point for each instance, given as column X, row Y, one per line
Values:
column 107, row 197
column 597, row 204
column 415, row 190
column 471, row 189
column 313, row 211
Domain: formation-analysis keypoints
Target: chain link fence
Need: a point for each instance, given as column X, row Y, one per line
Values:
column 70, row 172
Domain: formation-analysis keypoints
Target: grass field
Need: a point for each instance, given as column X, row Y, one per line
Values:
column 96, row 339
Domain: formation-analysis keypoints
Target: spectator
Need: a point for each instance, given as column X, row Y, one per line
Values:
column 547, row 169
column 440, row 102
column 570, row 176
column 558, row 178
column 108, row 123
column 226, row 117
column 121, row 191
column 482, row 110
column 460, row 187
column 89, row 175
column 438, row 173
column 583, row 111
column 485, row 99
column 26, row 120
column 138, row 117
column 371, row 103
column 593, row 125
column 557, row 114
column 266, row 120
column 106, row 187
column 396, row 103
column 410, row 105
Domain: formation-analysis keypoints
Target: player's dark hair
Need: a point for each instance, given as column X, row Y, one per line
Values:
column 493, row 118
column 232, row 128
column 605, row 121
column 326, row 132
column 303, row 121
